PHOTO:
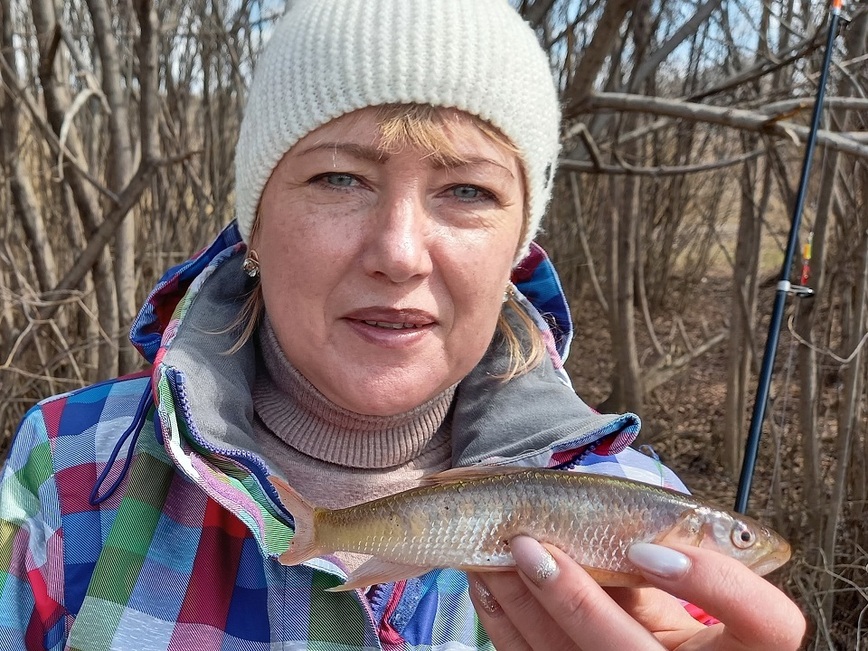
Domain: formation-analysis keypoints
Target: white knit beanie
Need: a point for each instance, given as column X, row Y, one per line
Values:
column 330, row 57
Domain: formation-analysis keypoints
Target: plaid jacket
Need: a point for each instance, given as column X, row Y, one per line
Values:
column 122, row 528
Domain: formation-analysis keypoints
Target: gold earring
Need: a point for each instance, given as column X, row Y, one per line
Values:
column 250, row 266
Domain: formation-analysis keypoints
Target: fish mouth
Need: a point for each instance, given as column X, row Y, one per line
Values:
column 773, row 560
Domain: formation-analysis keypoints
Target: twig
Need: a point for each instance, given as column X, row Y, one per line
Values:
column 74, row 108
column 583, row 240
column 52, row 139
column 844, row 361
column 663, row 372
column 38, row 376
column 726, row 116
column 18, row 342
column 595, row 167
column 788, row 106
column 680, row 324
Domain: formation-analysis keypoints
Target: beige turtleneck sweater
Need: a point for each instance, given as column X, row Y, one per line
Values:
column 336, row 458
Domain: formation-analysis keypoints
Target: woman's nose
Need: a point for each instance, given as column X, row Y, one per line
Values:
column 397, row 247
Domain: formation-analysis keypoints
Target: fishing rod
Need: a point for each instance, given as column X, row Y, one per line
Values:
column 785, row 287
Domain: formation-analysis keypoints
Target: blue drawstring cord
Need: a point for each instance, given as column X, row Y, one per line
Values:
column 135, row 428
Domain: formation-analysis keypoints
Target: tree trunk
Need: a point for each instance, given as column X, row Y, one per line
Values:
column 743, row 310
column 119, row 171
column 605, row 34
column 848, row 418
column 26, row 205
column 624, row 329
column 57, row 104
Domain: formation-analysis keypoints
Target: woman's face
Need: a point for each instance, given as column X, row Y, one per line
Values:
column 383, row 274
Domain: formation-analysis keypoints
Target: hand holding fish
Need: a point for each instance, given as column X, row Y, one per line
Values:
column 552, row 603
column 599, row 531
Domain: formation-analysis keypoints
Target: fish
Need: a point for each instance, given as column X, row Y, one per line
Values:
column 464, row 518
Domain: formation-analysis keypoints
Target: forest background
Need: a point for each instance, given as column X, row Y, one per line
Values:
column 684, row 132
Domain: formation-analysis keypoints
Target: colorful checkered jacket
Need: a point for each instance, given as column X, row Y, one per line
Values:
column 134, row 517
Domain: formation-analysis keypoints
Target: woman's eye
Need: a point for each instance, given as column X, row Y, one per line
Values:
column 470, row 193
column 337, row 180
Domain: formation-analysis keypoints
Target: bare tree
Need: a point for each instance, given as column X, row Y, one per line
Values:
column 683, row 132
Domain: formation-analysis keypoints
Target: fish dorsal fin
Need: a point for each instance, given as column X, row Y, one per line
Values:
column 377, row 570
column 467, row 473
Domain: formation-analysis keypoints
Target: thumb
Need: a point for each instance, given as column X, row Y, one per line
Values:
column 756, row 613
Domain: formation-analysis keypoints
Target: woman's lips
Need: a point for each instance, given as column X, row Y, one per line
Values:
column 390, row 327
column 406, row 317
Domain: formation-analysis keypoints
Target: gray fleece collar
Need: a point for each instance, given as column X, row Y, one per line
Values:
column 525, row 420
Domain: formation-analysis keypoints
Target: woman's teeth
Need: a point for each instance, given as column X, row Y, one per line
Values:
column 391, row 326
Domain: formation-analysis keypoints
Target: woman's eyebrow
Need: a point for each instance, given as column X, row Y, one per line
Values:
column 363, row 152
column 377, row 155
column 470, row 161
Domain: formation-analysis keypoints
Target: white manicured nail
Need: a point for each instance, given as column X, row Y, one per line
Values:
column 658, row 560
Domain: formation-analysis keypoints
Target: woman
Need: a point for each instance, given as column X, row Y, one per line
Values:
column 355, row 330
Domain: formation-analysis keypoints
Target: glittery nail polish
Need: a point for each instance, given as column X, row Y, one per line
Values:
column 533, row 559
column 484, row 597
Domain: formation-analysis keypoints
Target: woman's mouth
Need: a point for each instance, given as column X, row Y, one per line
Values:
column 390, row 327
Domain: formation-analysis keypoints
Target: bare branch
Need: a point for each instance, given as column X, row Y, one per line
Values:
column 147, row 49
column 536, row 12
column 763, row 68
column 788, row 107
column 650, row 65
column 586, row 248
column 726, row 116
column 104, row 233
column 598, row 50
column 667, row 368
column 58, row 148
column 592, row 167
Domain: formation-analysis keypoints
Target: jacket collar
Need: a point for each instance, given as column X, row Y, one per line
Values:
column 204, row 400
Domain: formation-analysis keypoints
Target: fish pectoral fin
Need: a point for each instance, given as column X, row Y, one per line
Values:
column 376, row 570
column 466, row 473
column 610, row 579
column 688, row 530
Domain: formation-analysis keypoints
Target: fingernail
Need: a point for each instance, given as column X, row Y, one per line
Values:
column 533, row 559
column 484, row 597
column 658, row 560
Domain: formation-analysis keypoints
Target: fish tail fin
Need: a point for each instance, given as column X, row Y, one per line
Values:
column 303, row 545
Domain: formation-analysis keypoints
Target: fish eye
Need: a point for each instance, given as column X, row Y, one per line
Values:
column 741, row 536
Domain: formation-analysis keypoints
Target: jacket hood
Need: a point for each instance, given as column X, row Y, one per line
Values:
column 154, row 317
column 205, row 409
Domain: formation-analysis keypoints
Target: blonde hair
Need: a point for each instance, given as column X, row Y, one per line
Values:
column 422, row 126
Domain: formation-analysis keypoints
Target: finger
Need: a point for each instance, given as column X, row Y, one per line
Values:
column 756, row 614
column 582, row 609
column 501, row 632
column 659, row 612
column 531, row 621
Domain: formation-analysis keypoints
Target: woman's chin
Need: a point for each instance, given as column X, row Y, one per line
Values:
column 386, row 400
column 382, row 406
